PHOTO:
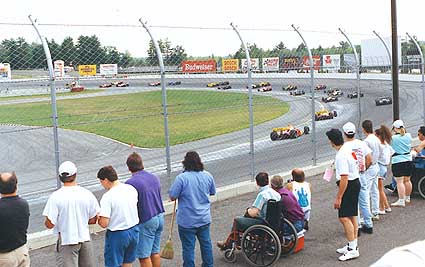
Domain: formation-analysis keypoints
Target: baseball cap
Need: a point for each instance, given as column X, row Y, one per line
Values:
column 398, row 124
column 349, row 128
column 67, row 167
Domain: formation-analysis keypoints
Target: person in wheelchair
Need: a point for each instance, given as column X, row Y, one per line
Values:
column 419, row 151
column 256, row 214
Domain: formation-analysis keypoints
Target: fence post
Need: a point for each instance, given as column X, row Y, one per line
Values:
column 52, row 82
column 359, row 131
column 164, row 100
column 313, row 100
column 422, row 72
column 250, row 105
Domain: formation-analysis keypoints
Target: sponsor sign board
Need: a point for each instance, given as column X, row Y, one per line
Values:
column 87, row 70
column 59, row 68
column 255, row 64
column 230, row 65
column 108, row 69
column 5, row 73
column 331, row 63
column 271, row 64
column 316, row 62
column 375, row 54
column 190, row 66
column 349, row 60
column 290, row 63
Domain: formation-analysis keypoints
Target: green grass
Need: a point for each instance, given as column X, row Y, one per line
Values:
column 87, row 91
column 137, row 118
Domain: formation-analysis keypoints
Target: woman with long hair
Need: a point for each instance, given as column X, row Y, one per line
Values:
column 384, row 135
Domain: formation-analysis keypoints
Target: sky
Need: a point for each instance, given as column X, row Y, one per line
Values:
column 265, row 23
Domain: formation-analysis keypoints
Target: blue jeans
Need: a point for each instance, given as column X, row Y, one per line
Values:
column 188, row 238
column 299, row 226
column 150, row 237
column 367, row 179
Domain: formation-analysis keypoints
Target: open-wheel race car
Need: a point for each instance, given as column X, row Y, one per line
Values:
column 155, row 84
column 258, row 85
column 288, row 132
column 320, row 87
column 224, row 87
column 355, row 95
column 324, row 114
column 334, row 92
column 105, row 85
column 215, row 84
column 74, row 87
column 329, row 98
column 122, row 84
column 385, row 100
column 297, row 92
column 289, row 87
column 265, row 88
column 174, row 83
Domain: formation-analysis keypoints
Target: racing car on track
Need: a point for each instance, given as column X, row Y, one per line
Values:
column 329, row 98
column 265, row 88
column 215, row 84
column 355, row 95
column 320, row 87
column 297, row 92
column 288, row 132
column 385, row 100
column 334, row 92
column 289, row 87
column 324, row 114
column 105, row 85
column 122, row 84
column 224, row 87
column 174, row 83
column 155, row 84
column 258, row 85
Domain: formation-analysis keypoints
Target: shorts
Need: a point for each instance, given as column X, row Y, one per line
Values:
column 350, row 200
column 382, row 174
column 150, row 237
column 120, row 246
column 402, row 169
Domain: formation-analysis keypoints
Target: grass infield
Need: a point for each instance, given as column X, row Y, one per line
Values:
column 137, row 118
column 87, row 91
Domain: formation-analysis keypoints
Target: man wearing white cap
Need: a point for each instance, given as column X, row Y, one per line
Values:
column 363, row 156
column 69, row 211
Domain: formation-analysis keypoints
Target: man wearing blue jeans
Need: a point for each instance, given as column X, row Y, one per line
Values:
column 192, row 188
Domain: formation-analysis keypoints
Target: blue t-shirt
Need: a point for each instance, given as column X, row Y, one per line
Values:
column 402, row 146
column 149, row 190
column 420, row 160
column 266, row 193
column 193, row 189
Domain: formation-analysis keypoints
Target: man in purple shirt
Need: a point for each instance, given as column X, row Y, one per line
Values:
column 151, row 211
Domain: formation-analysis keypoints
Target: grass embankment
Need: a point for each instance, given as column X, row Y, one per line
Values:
column 87, row 91
column 137, row 118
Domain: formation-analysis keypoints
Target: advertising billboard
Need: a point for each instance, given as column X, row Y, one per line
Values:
column 375, row 54
column 108, row 69
column 5, row 73
column 59, row 68
column 316, row 62
column 87, row 70
column 331, row 63
column 349, row 60
column 290, row 63
column 255, row 64
column 271, row 64
column 193, row 66
column 231, row 65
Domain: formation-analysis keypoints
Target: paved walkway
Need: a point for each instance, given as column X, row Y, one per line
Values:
column 325, row 236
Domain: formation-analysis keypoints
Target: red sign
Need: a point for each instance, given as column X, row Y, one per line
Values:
column 199, row 66
column 316, row 62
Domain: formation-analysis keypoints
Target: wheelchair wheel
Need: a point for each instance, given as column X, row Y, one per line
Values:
column 289, row 239
column 421, row 187
column 261, row 246
column 229, row 255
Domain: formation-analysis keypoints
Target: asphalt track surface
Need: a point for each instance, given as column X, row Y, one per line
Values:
column 30, row 153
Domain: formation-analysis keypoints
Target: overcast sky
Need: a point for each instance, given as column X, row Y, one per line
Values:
column 318, row 20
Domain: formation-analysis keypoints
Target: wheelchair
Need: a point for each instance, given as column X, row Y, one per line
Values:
column 264, row 244
column 418, row 177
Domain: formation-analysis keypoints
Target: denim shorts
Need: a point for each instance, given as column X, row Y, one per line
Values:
column 120, row 246
column 382, row 174
column 150, row 237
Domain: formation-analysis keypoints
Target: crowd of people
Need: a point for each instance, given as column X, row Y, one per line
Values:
column 133, row 213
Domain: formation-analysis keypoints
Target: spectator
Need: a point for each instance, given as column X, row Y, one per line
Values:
column 302, row 192
column 192, row 188
column 14, row 218
column 384, row 135
column 371, row 174
column 256, row 214
column 150, row 209
column 401, row 163
column 293, row 211
column 118, row 213
column 363, row 156
column 347, row 175
column 69, row 211
column 419, row 151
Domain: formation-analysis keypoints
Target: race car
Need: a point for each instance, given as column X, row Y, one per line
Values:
column 320, row 87
column 223, row 83
column 224, row 87
column 155, row 84
column 297, row 92
column 71, row 84
column 215, row 84
column 354, row 95
column 122, row 84
column 385, row 100
column 266, row 88
column 329, row 98
column 258, row 85
column 289, row 132
column 174, row 83
column 334, row 92
column 289, row 87
column 105, row 85
column 324, row 114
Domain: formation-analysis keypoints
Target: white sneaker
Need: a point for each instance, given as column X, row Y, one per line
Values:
column 350, row 254
column 381, row 212
column 398, row 203
column 342, row 250
column 375, row 217
column 388, row 210
column 407, row 200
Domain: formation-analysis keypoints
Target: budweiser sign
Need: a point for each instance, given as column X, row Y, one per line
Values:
column 199, row 66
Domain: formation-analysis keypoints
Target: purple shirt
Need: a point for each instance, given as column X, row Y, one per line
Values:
column 293, row 210
column 149, row 189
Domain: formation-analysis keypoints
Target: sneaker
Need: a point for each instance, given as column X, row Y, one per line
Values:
column 388, row 210
column 381, row 212
column 306, row 225
column 398, row 203
column 366, row 230
column 389, row 187
column 407, row 200
column 350, row 254
column 342, row 250
column 375, row 217
column 222, row 245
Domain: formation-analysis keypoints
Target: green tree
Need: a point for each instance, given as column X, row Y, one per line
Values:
column 68, row 51
column 90, row 51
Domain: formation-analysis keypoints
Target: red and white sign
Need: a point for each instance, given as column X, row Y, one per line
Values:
column 59, row 68
column 331, row 63
column 271, row 64
column 316, row 62
column 199, row 66
column 255, row 64
column 108, row 69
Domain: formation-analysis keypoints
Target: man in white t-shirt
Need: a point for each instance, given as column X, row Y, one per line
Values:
column 346, row 201
column 69, row 211
column 363, row 157
column 118, row 213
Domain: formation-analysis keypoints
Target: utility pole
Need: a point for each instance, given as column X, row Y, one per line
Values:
column 396, row 105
